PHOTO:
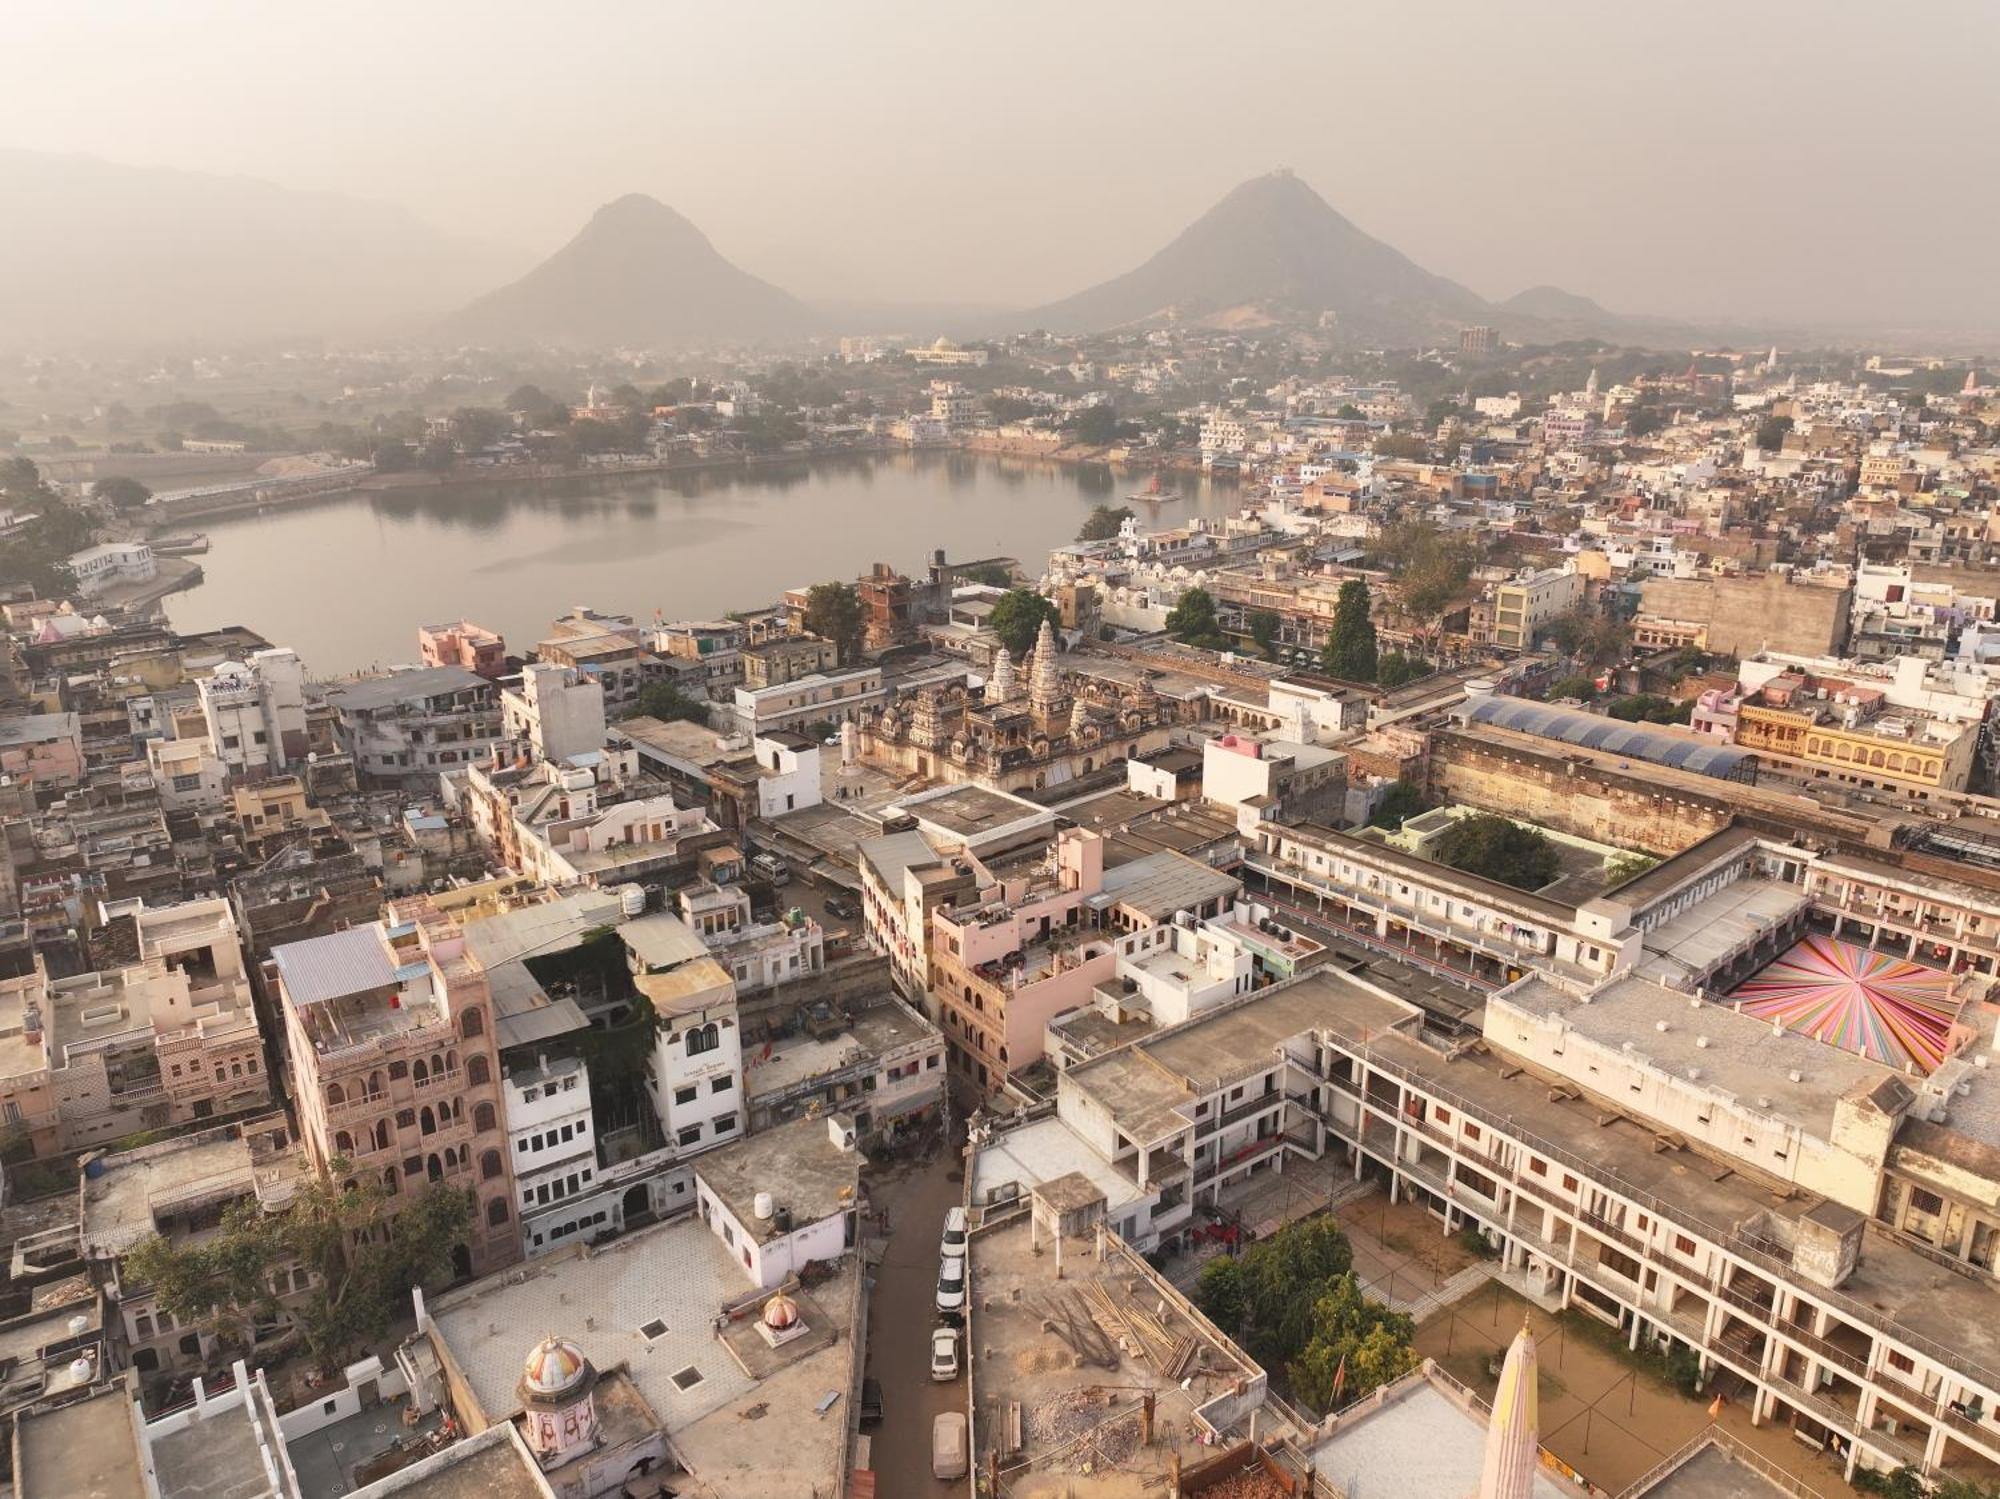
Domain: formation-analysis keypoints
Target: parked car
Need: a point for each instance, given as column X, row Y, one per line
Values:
column 772, row 868
column 951, row 1289
column 952, row 1245
column 944, row 1354
column 840, row 906
column 871, row 1402
column 948, row 1445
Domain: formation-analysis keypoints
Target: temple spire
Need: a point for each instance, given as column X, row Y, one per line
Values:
column 1045, row 679
column 1000, row 686
column 1512, row 1451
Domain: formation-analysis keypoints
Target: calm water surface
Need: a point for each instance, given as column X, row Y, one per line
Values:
column 347, row 581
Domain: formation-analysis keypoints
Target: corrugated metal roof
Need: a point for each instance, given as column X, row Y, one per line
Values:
column 1613, row 736
column 323, row 968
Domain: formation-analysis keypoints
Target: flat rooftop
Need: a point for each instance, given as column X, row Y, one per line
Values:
column 1159, row 884
column 122, row 1206
column 1420, row 1435
column 1040, row 1152
column 1714, row 1471
column 217, row 1455
column 973, row 813
column 1713, row 930
column 649, row 1302
column 870, row 1033
column 1078, row 1416
column 88, row 1449
column 797, row 1163
column 1679, row 1033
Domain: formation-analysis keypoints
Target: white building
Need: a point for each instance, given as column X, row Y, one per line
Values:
column 557, row 712
column 830, row 697
column 99, row 569
column 254, row 712
column 787, row 773
column 551, row 1135
column 783, row 1199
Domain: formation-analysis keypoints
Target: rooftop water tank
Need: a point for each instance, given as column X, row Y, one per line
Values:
column 762, row 1206
column 632, row 899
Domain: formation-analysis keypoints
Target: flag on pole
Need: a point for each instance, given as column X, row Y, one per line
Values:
column 1339, row 1379
column 1715, row 1408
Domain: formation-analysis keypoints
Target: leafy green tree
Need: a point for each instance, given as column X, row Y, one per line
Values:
column 1103, row 522
column 1650, row 707
column 121, row 493
column 1498, row 848
column 437, row 454
column 1399, row 804
column 1220, row 1293
column 1355, row 1341
column 1627, row 867
column 1397, row 670
column 1192, row 621
column 37, row 552
column 1017, row 619
column 665, row 701
column 392, row 457
column 364, row 1249
column 1643, row 421
column 1005, row 409
column 833, row 612
column 992, row 574
column 1095, row 426
column 1349, row 412
column 1771, row 432
column 1350, row 645
column 1577, row 685
column 476, row 427
column 536, row 406
column 1264, row 630
column 1589, row 636
column 1431, row 568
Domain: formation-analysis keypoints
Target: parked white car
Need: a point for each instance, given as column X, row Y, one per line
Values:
column 952, row 1245
column 944, row 1354
column 951, row 1288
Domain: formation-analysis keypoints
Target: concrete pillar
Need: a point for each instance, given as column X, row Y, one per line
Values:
column 1934, row 1448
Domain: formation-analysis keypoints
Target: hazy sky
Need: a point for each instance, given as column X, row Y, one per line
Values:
column 1767, row 159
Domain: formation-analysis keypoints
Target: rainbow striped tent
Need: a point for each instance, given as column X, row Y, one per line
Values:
column 1873, row 1004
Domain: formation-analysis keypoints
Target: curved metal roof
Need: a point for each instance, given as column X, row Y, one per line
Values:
column 1614, row 737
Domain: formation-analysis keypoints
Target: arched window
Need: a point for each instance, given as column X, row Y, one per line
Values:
column 382, row 1134
column 427, row 1121
column 489, row 1165
column 496, row 1212
column 472, row 1024
column 476, row 1073
column 434, row 1167
column 418, row 1071
column 483, row 1118
column 451, row 1061
column 375, row 1084
column 343, row 1142
column 335, row 1094
column 389, row 1181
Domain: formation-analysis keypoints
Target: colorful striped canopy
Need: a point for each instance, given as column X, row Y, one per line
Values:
column 1873, row 1004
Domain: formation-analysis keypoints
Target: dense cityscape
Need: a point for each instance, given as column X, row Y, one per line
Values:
column 1272, row 878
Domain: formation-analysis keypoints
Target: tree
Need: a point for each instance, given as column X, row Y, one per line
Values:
column 665, row 701
column 1397, row 670
column 1399, row 445
column 364, row 1249
column 1017, row 619
column 1577, row 685
column 1192, row 621
column 992, row 574
column 1399, row 804
column 833, row 612
column 392, row 457
column 1650, row 707
column 1589, row 636
column 1102, row 524
column 1771, row 432
column 1498, row 848
column 1357, row 1343
column 1220, row 1293
column 1643, row 421
column 1349, row 412
column 1350, row 645
column 476, row 427
column 1095, row 426
column 536, row 406
column 121, row 493
column 1004, row 409
column 37, row 552
column 1430, row 567
column 1264, row 630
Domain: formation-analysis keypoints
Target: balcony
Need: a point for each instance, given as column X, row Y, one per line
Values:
column 1263, row 1103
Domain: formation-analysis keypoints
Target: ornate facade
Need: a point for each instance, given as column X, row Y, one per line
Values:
column 1025, row 732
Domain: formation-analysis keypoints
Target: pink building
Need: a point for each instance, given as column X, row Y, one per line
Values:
column 462, row 643
column 1027, row 951
column 45, row 749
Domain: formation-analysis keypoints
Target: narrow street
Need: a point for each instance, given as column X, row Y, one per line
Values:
column 902, row 1312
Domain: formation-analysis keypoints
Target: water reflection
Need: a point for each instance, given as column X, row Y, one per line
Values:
column 347, row 581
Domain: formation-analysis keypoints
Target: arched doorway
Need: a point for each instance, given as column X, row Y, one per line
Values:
column 461, row 1262
column 637, row 1205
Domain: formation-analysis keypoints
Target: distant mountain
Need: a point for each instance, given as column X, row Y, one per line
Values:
column 1274, row 246
column 639, row 274
column 97, row 252
column 1552, row 304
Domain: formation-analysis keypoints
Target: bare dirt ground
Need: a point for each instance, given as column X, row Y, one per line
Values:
column 1607, row 1414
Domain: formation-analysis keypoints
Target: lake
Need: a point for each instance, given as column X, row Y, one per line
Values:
column 347, row 581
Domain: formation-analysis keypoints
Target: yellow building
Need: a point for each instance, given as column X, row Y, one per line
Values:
column 1934, row 754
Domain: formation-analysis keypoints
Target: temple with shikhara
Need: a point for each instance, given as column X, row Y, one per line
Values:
column 1065, row 726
